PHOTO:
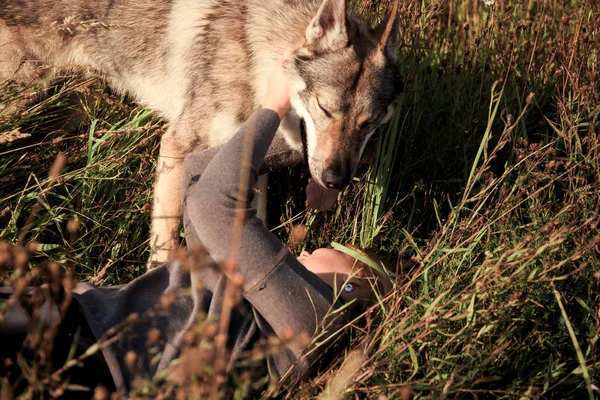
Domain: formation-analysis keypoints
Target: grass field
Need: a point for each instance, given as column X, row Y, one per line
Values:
column 484, row 191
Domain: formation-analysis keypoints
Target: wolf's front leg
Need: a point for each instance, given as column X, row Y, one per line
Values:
column 166, row 211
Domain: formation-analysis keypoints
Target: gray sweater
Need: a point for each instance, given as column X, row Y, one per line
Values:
column 278, row 292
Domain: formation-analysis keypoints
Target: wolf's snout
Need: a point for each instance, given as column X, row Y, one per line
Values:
column 336, row 177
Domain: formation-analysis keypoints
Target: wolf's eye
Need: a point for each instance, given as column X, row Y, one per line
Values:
column 368, row 122
column 327, row 113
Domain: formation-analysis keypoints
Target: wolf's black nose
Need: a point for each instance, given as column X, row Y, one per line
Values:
column 334, row 180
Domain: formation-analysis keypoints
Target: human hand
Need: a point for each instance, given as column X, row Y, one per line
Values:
column 278, row 88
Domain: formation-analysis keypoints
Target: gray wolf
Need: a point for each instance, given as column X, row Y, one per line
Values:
column 203, row 65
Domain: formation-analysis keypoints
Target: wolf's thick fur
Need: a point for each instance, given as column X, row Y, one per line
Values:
column 203, row 64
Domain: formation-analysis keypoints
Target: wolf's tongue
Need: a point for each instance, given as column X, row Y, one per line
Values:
column 320, row 198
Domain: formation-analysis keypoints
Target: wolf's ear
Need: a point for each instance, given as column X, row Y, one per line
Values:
column 327, row 30
column 387, row 32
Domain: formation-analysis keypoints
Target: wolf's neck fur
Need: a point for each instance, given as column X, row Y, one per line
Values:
column 272, row 28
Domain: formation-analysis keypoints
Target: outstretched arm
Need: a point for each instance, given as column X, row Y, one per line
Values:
column 285, row 293
column 280, row 155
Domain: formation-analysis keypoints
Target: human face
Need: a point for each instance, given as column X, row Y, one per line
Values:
column 335, row 269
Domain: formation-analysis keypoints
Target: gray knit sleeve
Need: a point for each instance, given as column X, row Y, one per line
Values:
column 281, row 289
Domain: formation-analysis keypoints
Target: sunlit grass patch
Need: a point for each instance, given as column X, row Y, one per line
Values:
column 104, row 183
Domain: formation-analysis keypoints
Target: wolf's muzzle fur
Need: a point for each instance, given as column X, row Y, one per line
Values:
column 203, row 64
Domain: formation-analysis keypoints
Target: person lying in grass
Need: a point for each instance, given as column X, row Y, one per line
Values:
column 266, row 314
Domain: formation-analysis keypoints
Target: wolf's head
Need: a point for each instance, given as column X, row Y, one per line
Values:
column 344, row 84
